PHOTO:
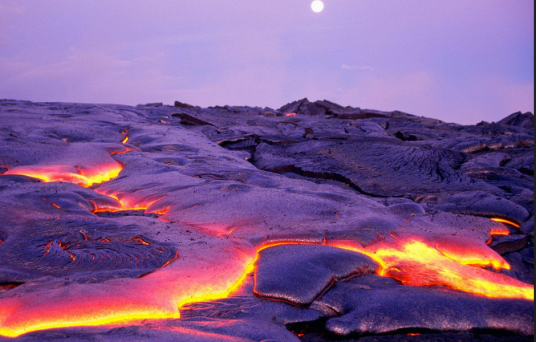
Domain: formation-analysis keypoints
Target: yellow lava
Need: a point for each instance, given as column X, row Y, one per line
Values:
column 415, row 263
column 496, row 219
column 69, row 174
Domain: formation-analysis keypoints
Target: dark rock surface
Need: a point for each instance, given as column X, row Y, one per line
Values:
column 425, row 337
column 200, row 330
column 300, row 273
column 362, row 307
column 254, row 224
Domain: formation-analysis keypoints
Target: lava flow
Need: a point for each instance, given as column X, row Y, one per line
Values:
column 204, row 276
column 83, row 176
column 215, row 274
column 126, row 204
column 160, row 295
column 414, row 263
column 70, row 174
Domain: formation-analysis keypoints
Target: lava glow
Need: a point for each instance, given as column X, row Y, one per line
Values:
column 53, row 204
column 69, row 174
column 505, row 221
column 499, row 231
column 127, row 204
column 470, row 253
column 160, row 295
column 415, row 263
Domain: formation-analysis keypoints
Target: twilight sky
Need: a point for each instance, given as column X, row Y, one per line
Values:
column 457, row 60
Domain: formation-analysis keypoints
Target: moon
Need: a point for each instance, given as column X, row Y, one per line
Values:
column 317, row 6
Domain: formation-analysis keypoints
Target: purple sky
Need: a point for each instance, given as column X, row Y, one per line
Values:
column 457, row 60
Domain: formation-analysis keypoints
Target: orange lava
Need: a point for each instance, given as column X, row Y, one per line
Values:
column 415, row 263
column 161, row 294
column 469, row 253
column 290, row 114
column 496, row 219
column 121, row 152
column 142, row 241
column 53, row 204
column 69, row 174
column 171, row 260
column 124, row 141
column 127, row 204
column 499, row 231
column 158, row 295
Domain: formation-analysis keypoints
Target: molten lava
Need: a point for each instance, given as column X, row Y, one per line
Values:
column 161, row 294
column 53, row 204
column 126, row 204
column 69, row 174
column 499, row 231
column 496, row 219
column 415, row 263
column 158, row 295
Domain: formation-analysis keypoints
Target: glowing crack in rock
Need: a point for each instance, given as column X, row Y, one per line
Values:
column 505, row 221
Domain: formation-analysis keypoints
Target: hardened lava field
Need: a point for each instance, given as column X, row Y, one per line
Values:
column 312, row 222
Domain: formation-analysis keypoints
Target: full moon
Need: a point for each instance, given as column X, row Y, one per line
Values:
column 317, row 6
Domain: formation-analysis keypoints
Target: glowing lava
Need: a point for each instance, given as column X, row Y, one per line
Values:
column 158, row 295
column 219, row 273
column 505, row 221
column 499, row 231
column 126, row 204
column 83, row 176
column 216, row 273
column 415, row 263
column 69, row 174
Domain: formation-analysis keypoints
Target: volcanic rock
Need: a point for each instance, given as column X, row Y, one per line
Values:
column 483, row 204
column 183, row 105
column 509, row 244
column 525, row 120
column 366, row 309
column 199, row 330
column 300, row 273
column 113, row 214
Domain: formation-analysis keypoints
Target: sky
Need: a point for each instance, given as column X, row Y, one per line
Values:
column 460, row 61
